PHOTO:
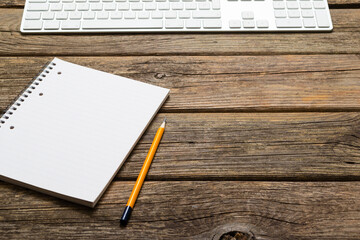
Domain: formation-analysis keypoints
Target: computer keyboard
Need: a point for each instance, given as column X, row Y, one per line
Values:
column 56, row 16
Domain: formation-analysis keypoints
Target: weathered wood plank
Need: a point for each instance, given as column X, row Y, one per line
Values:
column 234, row 83
column 21, row 3
column 300, row 146
column 190, row 210
column 255, row 146
column 344, row 39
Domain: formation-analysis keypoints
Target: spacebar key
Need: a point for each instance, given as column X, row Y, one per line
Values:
column 122, row 24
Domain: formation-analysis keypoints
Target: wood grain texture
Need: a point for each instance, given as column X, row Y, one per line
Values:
column 230, row 118
column 233, row 83
column 21, row 3
column 275, row 146
column 290, row 146
column 190, row 210
column 344, row 39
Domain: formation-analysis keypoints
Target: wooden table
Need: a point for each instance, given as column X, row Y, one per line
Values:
column 263, row 133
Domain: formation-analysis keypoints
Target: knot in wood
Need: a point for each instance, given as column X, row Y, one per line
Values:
column 235, row 235
column 160, row 75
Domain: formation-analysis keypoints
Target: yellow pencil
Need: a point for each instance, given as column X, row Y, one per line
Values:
column 135, row 192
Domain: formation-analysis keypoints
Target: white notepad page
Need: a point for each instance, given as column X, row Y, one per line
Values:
column 72, row 133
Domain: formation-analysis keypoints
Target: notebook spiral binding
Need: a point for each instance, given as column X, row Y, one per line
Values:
column 26, row 92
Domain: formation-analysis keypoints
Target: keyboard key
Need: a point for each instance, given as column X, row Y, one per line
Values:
column 206, row 14
column 96, row 7
column 170, row 15
column 61, row 15
column 48, row 16
column 52, row 25
column 178, row 6
column 174, row 24
column 307, row 13
column 70, row 25
column 212, row 24
column 110, row 6
column 279, row 5
column 292, row 5
column 127, row 24
column 102, row 15
column 33, row 25
column 83, row 7
column 280, row 14
column 164, row 6
column 204, row 6
column 249, row 24
column 322, row 19
column 305, row 5
column 216, row 4
column 262, row 23
column 150, row 6
column 157, row 15
column 75, row 15
column 136, row 6
column 309, row 23
column 319, row 5
column 234, row 24
column 144, row 15
column 184, row 14
column 293, row 13
column 129, row 15
column 190, row 6
column 116, row 15
column 288, row 23
column 89, row 15
column 193, row 24
column 56, row 7
column 69, row 7
column 38, row 7
column 33, row 16
column 247, row 15
column 123, row 6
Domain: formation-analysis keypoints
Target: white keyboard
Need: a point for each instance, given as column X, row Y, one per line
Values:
column 54, row 16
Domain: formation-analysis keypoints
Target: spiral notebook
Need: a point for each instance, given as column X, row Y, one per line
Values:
column 73, row 127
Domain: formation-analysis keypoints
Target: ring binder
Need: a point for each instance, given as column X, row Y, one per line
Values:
column 26, row 92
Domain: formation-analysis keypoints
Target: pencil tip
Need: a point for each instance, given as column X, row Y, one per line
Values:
column 163, row 123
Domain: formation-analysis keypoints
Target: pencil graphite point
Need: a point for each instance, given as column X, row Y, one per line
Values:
column 163, row 123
